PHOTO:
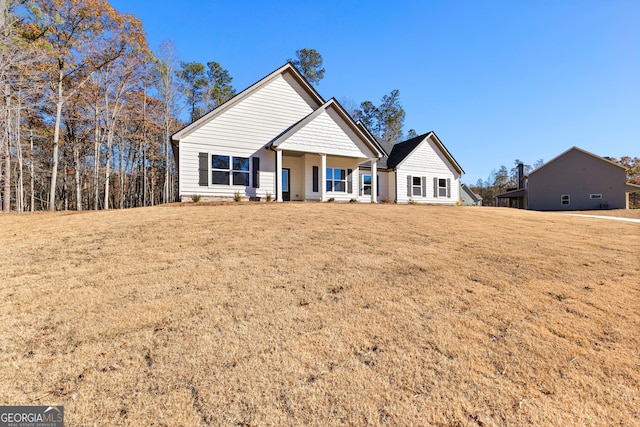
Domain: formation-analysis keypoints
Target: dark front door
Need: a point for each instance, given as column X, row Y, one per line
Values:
column 286, row 194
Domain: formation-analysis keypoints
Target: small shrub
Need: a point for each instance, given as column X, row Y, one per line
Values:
column 413, row 202
column 196, row 198
column 353, row 201
column 237, row 196
column 269, row 197
column 458, row 203
column 331, row 199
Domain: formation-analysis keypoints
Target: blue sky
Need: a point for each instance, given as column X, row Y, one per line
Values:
column 496, row 80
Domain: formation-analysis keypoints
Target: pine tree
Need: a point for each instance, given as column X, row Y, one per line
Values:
column 309, row 63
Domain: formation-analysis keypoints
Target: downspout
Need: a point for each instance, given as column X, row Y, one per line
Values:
column 395, row 183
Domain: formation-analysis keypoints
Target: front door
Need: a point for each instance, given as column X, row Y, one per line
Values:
column 286, row 194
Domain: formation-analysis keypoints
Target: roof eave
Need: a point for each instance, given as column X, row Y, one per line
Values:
column 195, row 125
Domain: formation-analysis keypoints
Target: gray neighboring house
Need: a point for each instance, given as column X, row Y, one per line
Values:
column 574, row 180
column 468, row 197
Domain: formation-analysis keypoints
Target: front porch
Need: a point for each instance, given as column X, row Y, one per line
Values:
column 320, row 177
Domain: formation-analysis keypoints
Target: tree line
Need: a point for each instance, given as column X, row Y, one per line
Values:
column 87, row 109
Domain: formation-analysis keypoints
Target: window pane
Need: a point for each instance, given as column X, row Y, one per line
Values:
column 218, row 177
column 417, row 181
column 329, row 173
column 240, row 164
column 367, row 179
column 339, row 174
column 219, row 162
column 339, row 186
column 285, row 180
column 367, row 190
column 442, row 192
column 442, row 183
column 329, row 185
column 241, row 178
column 417, row 191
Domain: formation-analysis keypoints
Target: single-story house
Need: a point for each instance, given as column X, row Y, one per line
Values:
column 280, row 139
column 468, row 197
column 574, row 180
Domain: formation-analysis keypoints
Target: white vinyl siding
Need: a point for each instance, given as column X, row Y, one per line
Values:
column 296, row 176
column 326, row 134
column 427, row 161
column 309, row 161
column 243, row 130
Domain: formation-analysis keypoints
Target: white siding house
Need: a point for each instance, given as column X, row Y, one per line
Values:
column 419, row 170
column 280, row 139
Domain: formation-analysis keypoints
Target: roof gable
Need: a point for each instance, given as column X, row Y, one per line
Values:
column 474, row 196
column 330, row 122
column 579, row 150
column 288, row 71
column 402, row 150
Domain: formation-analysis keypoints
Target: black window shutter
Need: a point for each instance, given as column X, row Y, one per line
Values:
column 203, row 169
column 424, row 186
column 256, row 172
column 349, row 181
column 448, row 188
column 315, row 179
column 377, row 185
column 361, row 186
column 435, row 187
column 409, row 183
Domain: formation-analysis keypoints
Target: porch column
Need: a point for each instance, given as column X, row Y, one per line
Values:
column 374, row 180
column 278, row 175
column 323, row 177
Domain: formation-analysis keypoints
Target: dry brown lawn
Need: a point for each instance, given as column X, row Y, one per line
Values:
column 321, row 314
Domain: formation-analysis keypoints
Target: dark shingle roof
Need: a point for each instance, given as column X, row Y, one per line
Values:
column 401, row 150
column 397, row 152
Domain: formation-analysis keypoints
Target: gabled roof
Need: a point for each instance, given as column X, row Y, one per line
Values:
column 335, row 105
column 402, row 150
column 471, row 194
column 385, row 147
column 581, row 151
column 287, row 68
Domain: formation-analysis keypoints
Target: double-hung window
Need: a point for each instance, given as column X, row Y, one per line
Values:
column 442, row 187
column 417, row 186
column 336, row 180
column 228, row 170
column 366, row 185
column 565, row 200
column 240, row 171
column 220, row 167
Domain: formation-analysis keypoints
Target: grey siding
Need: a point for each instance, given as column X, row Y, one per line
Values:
column 577, row 175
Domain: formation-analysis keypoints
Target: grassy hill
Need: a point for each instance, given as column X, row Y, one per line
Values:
column 321, row 314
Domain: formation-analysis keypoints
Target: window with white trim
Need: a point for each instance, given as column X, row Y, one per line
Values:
column 442, row 187
column 416, row 187
column 565, row 200
column 229, row 170
column 366, row 185
column 595, row 196
column 336, row 180
column 240, row 171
